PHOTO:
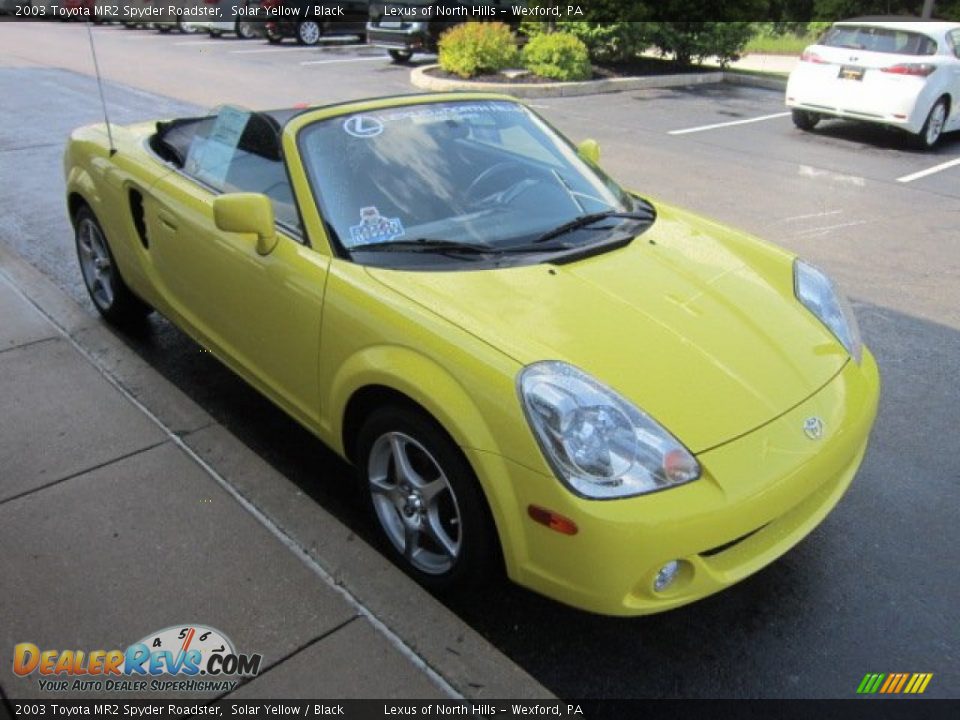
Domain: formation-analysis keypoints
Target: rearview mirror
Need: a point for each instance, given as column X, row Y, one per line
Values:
column 247, row 213
column 589, row 150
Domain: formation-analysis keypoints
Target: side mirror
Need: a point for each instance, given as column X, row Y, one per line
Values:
column 589, row 150
column 250, row 213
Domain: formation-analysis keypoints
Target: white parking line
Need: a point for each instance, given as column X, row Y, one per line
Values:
column 929, row 171
column 270, row 50
column 343, row 60
column 830, row 176
column 138, row 35
column 701, row 128
column 813, row 232
column 810, row 216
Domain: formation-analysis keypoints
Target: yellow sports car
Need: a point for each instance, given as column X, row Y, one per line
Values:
column 625, row 406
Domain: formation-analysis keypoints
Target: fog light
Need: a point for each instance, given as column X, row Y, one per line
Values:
column 666, row 576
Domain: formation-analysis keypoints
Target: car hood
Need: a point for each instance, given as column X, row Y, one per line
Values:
column 694, row 323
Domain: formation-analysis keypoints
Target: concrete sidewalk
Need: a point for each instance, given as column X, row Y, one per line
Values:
column 756, row 62
column 124, row 510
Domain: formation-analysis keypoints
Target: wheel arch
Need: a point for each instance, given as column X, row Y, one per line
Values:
column 383, row 375
column 948, row 96
column 76, row 201
column 81, row 192
column 391, row 373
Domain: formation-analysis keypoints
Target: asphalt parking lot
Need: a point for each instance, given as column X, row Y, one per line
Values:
column 873, row 589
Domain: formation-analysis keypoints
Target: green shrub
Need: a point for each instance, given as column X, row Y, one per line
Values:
column 559, row 56
column 609, row 42
column 475, row 48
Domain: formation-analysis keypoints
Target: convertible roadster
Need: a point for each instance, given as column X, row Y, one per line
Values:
column 624, row 406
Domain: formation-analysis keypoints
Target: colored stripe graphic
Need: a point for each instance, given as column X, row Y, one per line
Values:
column 900, row 684
column 918, row 683
column 892, row 680
column 870, row 683
column 894, row 683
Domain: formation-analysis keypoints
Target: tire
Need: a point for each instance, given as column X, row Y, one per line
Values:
column 273, row 34
column 401, row 57
column 309, row 32
column 162, row 28
column 101, row 276
column 805, row 120
column 185, row 28
column 932, row 129
column 433, row 518
column 245, row 30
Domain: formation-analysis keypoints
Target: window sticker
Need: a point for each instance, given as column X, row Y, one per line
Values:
column 370, row 126
column 208, row 158
column 362, row 126
column 374, row 228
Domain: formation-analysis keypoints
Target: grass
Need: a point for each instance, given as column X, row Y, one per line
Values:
column 758, row 73
column 788, row 44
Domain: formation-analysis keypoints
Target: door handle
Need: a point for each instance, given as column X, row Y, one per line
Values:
column 167, row 222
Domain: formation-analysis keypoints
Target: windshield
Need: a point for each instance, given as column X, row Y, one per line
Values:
column 485, row 173
column 878, row 39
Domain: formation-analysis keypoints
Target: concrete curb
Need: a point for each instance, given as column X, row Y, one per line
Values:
column 758, row 81
column 435, row 638
column 419, row 78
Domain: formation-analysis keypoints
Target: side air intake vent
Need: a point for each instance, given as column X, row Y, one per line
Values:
column 136, row 211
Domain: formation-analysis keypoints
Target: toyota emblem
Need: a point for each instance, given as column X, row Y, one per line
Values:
column 813, row 428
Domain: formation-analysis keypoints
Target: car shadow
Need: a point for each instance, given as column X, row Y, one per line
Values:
column 880, row 136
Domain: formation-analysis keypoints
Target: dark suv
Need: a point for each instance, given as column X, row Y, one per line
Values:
column 411, row 26
column 310, row 20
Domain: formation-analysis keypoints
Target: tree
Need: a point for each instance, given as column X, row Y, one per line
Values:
column 710, row 28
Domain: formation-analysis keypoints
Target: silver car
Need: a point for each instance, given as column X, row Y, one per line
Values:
column 235, row 16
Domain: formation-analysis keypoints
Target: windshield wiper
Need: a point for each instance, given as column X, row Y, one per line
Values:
column 436, row 245
column 584, row 221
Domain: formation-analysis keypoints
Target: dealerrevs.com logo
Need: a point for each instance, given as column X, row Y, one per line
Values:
column 201, row 659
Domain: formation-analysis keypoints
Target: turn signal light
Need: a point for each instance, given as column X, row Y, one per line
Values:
column 552, row 520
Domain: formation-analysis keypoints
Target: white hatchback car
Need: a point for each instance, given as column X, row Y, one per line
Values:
column 896, row 73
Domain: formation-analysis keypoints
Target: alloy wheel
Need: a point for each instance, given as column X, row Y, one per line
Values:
column 245, row 30
column 935, row 123
column 415, row 503
column 309, row 32
column 95, row 263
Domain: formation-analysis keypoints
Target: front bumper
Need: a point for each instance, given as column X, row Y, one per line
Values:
column 398, row 39
column 759, row 496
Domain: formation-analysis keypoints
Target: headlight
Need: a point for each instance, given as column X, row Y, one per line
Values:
column 820, row 296
column 598, row 444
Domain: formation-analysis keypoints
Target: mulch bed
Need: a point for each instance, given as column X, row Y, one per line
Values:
column 638, row 68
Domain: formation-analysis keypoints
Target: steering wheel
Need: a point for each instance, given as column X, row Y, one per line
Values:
column 494, row 170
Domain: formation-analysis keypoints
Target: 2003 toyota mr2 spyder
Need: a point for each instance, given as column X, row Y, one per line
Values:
column 626, row 406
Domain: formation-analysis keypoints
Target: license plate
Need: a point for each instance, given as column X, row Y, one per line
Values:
column 390, row 24
column 851, row 72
